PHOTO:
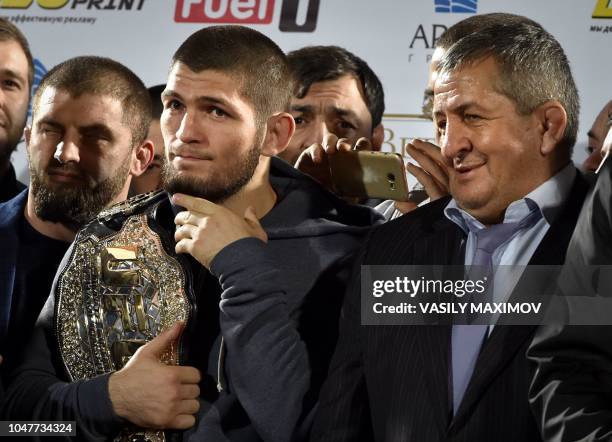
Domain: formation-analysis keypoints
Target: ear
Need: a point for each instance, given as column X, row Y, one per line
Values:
column 553, row 121
column 142, row 156
column 378, row 136
column 279, row 130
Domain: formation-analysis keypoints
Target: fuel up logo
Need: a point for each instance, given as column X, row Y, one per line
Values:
column 460, row 6
column 603, row 9
column 295, row 16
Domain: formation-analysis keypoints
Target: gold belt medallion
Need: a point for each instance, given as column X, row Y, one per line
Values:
column 116, row 294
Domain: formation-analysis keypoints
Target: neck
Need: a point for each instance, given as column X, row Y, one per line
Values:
column 56, row 231
column 258, row 192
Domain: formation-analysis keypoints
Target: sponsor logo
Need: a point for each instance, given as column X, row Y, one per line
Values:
column 603, row 9
column 39, row 72
column 295, row 15
column 456, row 6
column 106, row 5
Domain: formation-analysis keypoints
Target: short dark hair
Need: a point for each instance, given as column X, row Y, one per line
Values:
column 103, row 76
column 251, row 57
column 312, row 64
column 533, row 67
column 10, row 32
column 157, row 106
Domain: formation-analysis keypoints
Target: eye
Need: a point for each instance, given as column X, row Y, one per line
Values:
column 472, row 117
column 173, row 105
column 10, row 84
column 441, row 126
column 217, row 112
column 345, row 125
column 590, row 149
column 299, row 121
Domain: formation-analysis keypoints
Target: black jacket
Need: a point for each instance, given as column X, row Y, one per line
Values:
column 279, row 304
column 390, row 383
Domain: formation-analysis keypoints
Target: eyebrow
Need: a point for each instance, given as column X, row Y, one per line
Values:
column 591, row 134
column 49, row 122
column 463, row 107
column 96, row 129
column 303, row 108
column 204, row 99
column 12, row 74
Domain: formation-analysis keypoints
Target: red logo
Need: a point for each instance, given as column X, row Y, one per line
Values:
column 224, row 11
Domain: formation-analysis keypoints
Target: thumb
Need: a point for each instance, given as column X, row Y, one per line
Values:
column 157, row 346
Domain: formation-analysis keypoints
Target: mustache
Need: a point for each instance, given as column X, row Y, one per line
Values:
column 187, row 151
column 68, row 168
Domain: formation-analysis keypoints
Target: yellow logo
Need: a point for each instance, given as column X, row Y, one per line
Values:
column 23, row 4
column 603, row 9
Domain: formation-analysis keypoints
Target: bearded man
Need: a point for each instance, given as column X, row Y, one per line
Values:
column 263, row 256
column 87, row 139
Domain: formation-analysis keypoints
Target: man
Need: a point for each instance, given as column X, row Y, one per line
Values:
column 596, row 135
column 151, row 179
column 337, row 93
column 338, row 97
column 86, row 142
column 571, row 386
column 16, row 75
column 508, row 149
column 265, row 251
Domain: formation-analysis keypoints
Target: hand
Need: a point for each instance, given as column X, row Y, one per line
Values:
column 314, row 160
column 205, row 228
column 432, row 173
column 151, row 394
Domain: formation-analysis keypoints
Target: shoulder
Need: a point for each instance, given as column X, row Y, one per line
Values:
column 412, row 236
column 11, row 210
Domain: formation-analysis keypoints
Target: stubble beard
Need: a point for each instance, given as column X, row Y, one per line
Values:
column 215, row 189
column 74, row 206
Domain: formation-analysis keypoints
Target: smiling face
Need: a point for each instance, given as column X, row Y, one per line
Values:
column 334, row 106
column 14, row 95
column 493, row 151
column 212, row 140
column 90, row 138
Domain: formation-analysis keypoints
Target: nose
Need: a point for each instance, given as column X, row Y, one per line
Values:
column 455, row 141
column 188, row 130
column 317, row 133
column 67, row 151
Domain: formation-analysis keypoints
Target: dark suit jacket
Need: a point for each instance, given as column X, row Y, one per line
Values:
column 11, row 213
column 571, row 395
column 390, row 383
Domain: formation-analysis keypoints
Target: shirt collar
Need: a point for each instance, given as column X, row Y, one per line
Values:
column 548, row 197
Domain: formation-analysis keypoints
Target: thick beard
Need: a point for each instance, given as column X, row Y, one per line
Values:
column 75, row 206
column 240, row 173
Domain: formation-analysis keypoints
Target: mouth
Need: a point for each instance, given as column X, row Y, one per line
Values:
column 465, row 169
column 61, row 176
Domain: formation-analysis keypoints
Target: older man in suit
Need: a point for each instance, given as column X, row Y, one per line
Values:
column 505, row 109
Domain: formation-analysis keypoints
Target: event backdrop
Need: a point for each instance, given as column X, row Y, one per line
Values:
column 395, row 37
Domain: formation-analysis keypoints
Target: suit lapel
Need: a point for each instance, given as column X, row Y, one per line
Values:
column 443, row 248
column 505, row 341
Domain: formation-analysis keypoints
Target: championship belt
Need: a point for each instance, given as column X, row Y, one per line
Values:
column 121, row 287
